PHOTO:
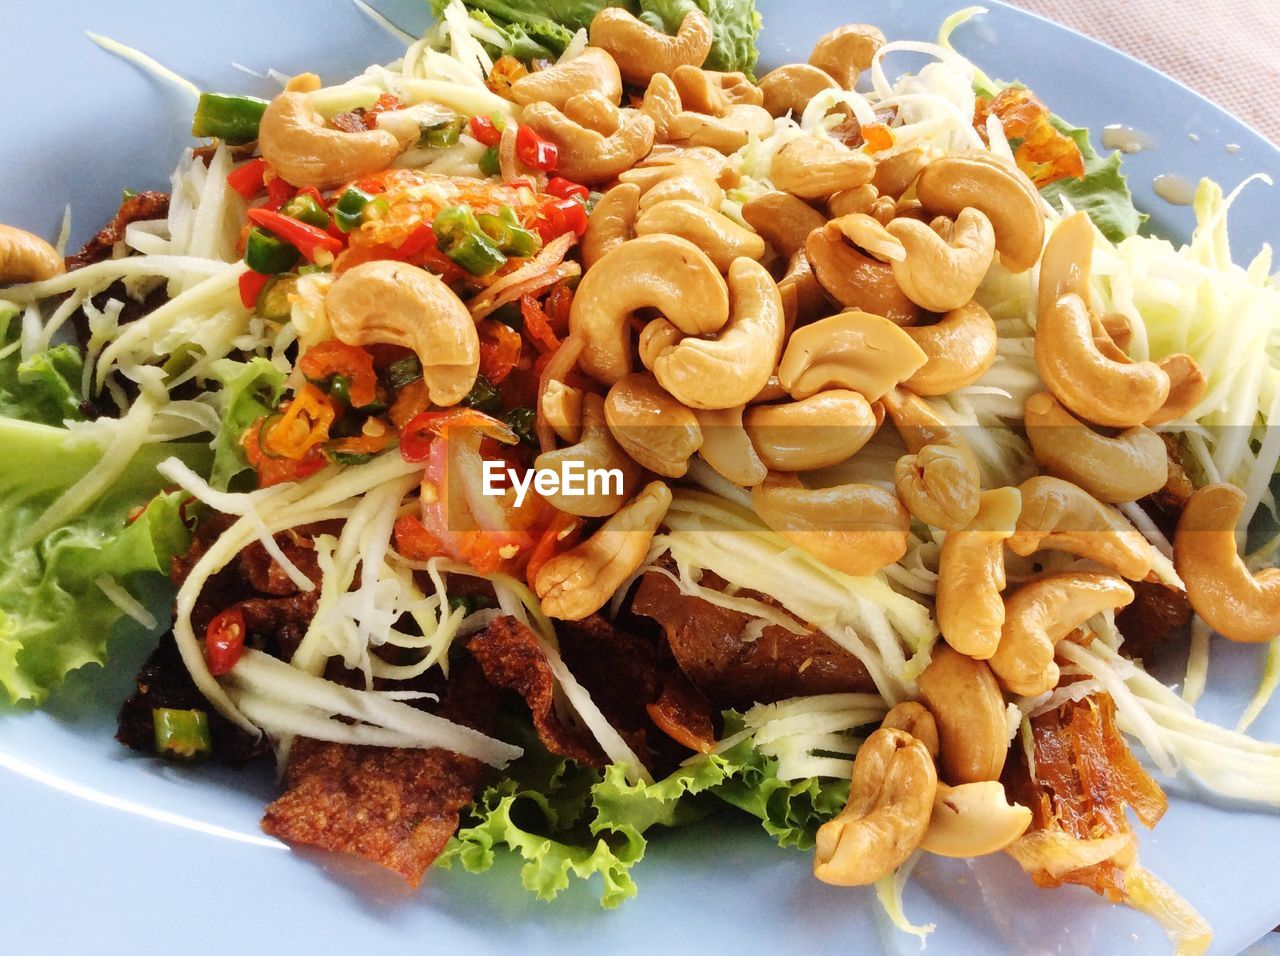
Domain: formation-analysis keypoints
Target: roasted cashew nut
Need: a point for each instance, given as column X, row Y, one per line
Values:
column 803, row 298
column 854, row 528
column 726, row 447
column 715, row 234
column 783, row 220
column 1187, row 385
column 726, row 134
column 846, row 51
column 595, row 449
column 663, row 272
column 562, row 409
column 958, row 348
column 576, row 584
column 592, row 69
column 1040, row 614
column 895, row 173
column 1132, row 465
column 1066, row 262
column 304, row 152
column 812, row 433
column 1240, row 606
column 713, row 93
column 612, row 222
column 940, row 275
column 855, row 350
column 938, row 480
column 890, row 804
column 1094, row 387
column 857, row 280
column 655, row 337
column 865, row 200
column 971, row 576
column 914, row 718
column 593, row 110
column 651, row 426
column 1064, row 270
column 981, row 180
column 1059, row 516
column 730, row 369
column 27, row 258
column 969, row 709
column 393, row 303
column 870, row 235
column 641, row 51
column 720, row 167
column 661, row 103
column 681, row 180
column 585, row 155
column 788, row 89
column 814, row 168
column 972, row 820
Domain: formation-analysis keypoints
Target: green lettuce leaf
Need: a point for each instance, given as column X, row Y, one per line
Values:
column 46, row 387
column 537, row 29
column 249, row 391
column 1103, row 192
column 736, row 24
column 53, row 616
column 533, row 25
column 564, row 820
column 789, row 810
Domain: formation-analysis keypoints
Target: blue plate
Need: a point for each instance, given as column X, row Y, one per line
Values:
column 105, row 852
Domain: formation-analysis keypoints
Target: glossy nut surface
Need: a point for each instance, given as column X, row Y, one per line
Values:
column 854, row 528
column 969, row 708
column 1239, row 605
column 393, row 303
column 1040, row 614
column 1114, row 469
column 651, row 426
column 971, row 575
column 579, row 582
column 855, row 350
column 890, row 804
column 815, row 432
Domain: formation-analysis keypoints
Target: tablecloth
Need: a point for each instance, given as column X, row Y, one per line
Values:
column 1226, row 50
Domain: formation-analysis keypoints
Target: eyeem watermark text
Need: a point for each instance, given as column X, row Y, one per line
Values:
column 574, row 479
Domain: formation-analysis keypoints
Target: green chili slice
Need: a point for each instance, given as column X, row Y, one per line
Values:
column 232, row 119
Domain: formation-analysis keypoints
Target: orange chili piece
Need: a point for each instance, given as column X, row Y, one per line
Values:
column 349, row 361
column 537, row 326
column 500, row 347
column 304, row 424
column 415, row 542
column 561, row 535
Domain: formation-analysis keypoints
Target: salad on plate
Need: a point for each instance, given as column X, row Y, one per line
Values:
column 573, row 429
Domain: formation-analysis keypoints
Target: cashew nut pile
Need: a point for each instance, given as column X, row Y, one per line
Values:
column 776, row 343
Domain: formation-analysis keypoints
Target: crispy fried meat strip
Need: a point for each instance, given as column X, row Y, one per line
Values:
column 623, row 673
column 164, row 682
column 135, row 208
column 508, row 653
column 1084, row 776
column 397, row 807
column 708, row 645
column 683, row 714
column 1158, row 612
column 276, row 617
